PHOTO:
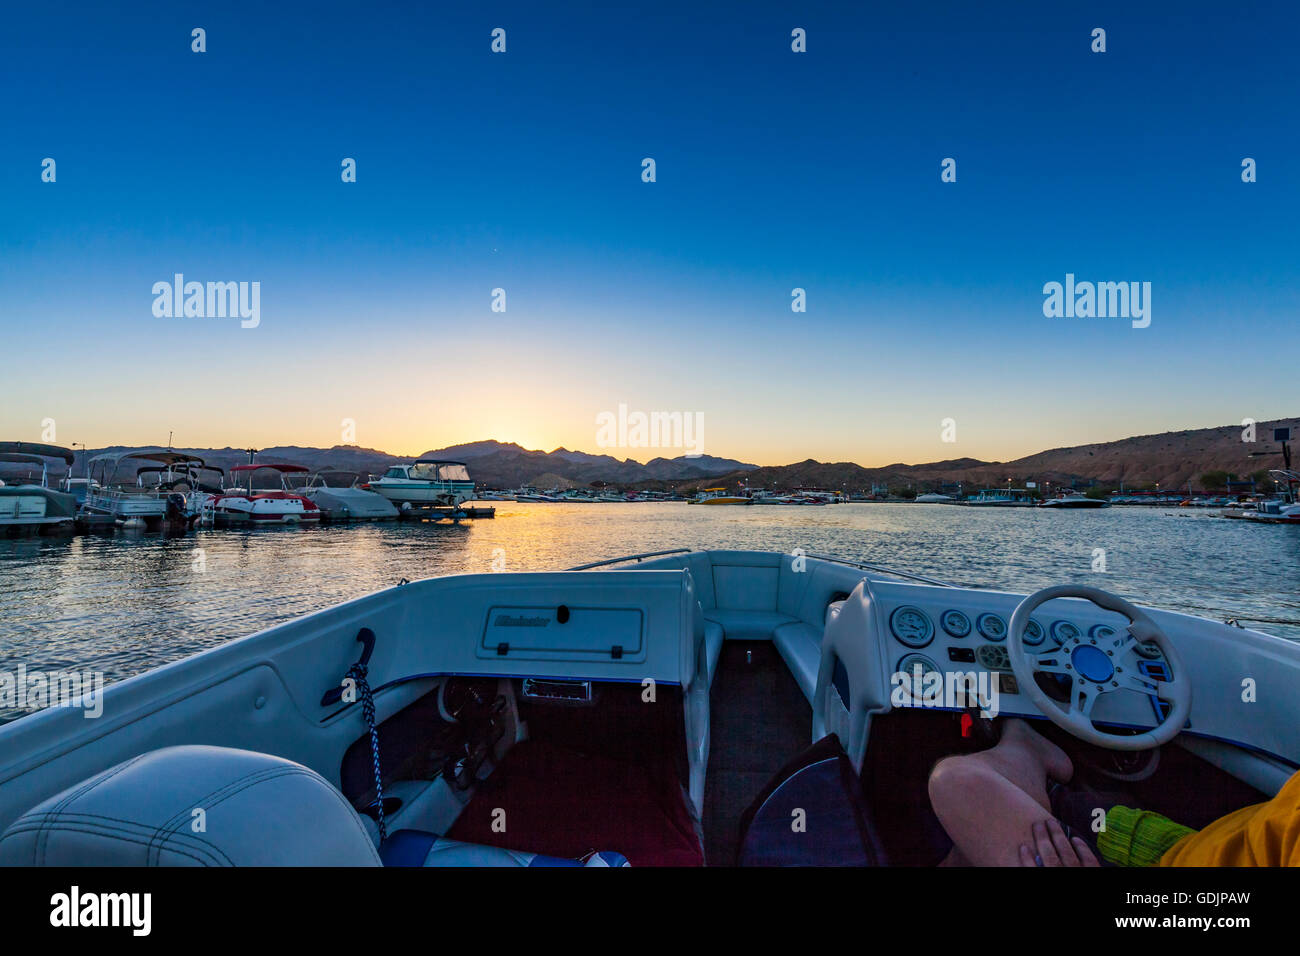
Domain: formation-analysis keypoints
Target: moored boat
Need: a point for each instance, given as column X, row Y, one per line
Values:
column 129, row 501
column 425, row 483
column 1001, row 498
column 261, row 502
column 31, row 506
column 338, row 496
column 1074, row 499
column 720, row 496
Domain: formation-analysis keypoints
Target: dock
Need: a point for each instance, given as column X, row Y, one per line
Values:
column 442, row 513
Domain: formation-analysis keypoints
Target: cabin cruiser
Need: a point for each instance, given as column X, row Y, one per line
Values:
column 338, row 496
column 934, row 498
column 719, row 496
column 133, row 502
column 1074, row 499
column 254, row 505
column 425, row 483
column 670, row 708
column 31, row 506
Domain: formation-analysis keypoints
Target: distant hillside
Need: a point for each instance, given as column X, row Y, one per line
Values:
column 1170, row 459
column 501, row 465
column 491, row 463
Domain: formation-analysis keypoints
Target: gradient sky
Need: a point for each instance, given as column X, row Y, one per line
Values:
column 522, row 171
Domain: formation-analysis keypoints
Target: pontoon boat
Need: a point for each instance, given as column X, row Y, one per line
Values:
column 133, row 501
column 32, row 506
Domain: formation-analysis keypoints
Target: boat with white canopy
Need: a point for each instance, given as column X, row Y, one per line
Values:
column 424, row 483
column 27, row 504
column 117, row 489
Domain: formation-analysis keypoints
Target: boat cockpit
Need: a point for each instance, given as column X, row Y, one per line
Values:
column 674, row 712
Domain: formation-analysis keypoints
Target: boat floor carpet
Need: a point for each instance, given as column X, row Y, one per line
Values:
column 561, row 802
column 759, row 719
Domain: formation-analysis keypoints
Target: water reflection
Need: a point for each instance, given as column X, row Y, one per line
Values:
column 122, row 603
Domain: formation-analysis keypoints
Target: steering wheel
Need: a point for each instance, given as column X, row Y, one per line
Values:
column 1100, row 666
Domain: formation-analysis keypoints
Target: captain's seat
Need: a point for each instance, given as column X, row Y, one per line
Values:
column 216, row 806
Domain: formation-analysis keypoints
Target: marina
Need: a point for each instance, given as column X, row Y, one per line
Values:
column 617, row 474
column 706, row 621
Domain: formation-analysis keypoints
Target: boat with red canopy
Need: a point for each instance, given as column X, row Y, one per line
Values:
column 247, row 503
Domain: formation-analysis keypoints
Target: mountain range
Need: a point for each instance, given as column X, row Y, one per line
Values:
column 1171, row 459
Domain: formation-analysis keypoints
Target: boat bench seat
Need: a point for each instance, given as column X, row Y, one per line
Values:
column 800, row 645
column 748, row 625
column 713, row 637
column 767, row 597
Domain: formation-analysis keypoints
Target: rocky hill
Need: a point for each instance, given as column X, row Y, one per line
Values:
column 1169, row 459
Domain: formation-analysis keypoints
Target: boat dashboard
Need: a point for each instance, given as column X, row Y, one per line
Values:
column 947, row 648
column 950, row 634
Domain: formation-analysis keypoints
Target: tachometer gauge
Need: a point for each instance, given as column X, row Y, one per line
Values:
column 1033, row 633
column 955, row 623
column 992, row 627
column 1063, row 631
column 911, row 626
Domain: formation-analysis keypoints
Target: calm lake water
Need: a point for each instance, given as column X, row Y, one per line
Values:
column 122, row 603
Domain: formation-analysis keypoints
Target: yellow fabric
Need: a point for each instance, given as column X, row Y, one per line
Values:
column 1265, row 834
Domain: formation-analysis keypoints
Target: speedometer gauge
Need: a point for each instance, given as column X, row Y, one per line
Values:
column 955, row 623
column 992, row 626
column 911, row 626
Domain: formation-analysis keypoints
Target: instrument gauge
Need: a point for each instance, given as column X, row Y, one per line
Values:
column 1034, row 633
column 917, row 667
column 1148, row 649
column 956, row 623
column 911, row 626
column 1063, row 631
column 992, row 626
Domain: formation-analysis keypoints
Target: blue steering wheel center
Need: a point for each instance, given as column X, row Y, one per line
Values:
column 1091, row 663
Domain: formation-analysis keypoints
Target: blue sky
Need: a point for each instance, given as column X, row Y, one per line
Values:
column 522, row 171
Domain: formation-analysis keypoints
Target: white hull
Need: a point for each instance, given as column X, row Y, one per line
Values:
column 270, row 707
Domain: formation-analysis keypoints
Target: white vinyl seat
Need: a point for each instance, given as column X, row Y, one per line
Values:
column 800, row 645
column 193, row 806
column 217, row 806
column 713, row 638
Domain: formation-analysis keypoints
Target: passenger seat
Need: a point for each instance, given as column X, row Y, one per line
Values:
column 217, row 806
